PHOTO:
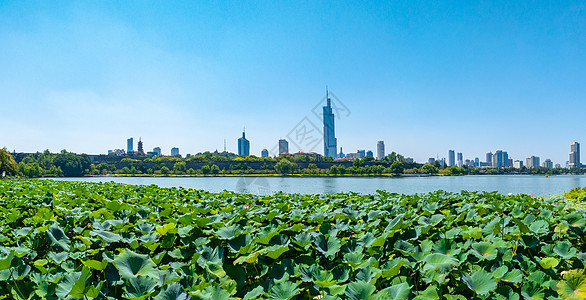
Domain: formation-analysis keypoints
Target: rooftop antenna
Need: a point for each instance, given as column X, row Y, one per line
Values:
column 328, row 96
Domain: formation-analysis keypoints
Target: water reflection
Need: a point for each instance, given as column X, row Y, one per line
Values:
column 539, row 185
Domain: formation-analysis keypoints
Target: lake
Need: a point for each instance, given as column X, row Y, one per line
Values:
column 539, row 185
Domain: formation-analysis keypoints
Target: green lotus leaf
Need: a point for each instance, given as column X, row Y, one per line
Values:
column 359, row 290
column 323, row 278
column 441, row 262
column 405, row 247
column 254, row 294
column 328, row 246
column 275, row 251
column 73, row 284
column 532, row 290
column 548, row 262
column 564, row 250
column 131, row 265
column 480, row 281
column 140, row 286
column 397, row 292
column 172, row 291
column 499, row 272
column 229, row 232
column 484, row 250
column 472, row 232
column 368, row 274
column 107, row 236
column 6, row 260
column 539, row 227
column 575, row 221
column 514, row 276
column 573, row 285
column 57, row 238
column 250, row 258
column 430, row 293
column 167, row 228
column 538, row 277
column 392, row 267
column 447, row 247
column 284, row 291
column 58, row 258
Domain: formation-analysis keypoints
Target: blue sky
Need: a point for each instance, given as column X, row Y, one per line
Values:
column 474, row 76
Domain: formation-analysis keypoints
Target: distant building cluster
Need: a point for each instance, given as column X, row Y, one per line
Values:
column 140, row 150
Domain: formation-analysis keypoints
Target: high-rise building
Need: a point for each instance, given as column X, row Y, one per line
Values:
column 575, row 155
column 361, row 153
column 498, row 159
column 341, row 153
column 330, row 142
column 451, row 158
column 174, row 151
column 489, row 159
column 130, row 145
column 140, row 149
column 283, row 146
column 380, row 150
column 369, row 153
column 157, row 150
column 518, row 164
column 430, row 161
column 532, row 162
column 476, row 162
column 243, row 145
column 548, row 164
column 264, row 153
column 460, row 162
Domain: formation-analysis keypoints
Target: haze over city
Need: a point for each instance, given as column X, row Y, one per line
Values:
column 423, row 77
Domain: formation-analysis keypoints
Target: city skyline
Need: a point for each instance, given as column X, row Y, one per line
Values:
column 423, row 77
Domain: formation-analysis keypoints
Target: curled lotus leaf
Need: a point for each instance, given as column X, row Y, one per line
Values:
column 573, row 285
column 131, row 265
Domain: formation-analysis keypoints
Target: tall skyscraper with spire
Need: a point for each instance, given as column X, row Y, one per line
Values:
column 243, row 145
column 330, row 142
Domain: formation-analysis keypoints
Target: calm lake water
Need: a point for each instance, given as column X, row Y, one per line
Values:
column 539, row 185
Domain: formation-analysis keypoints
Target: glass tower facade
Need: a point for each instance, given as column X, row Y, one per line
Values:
column 330, row 143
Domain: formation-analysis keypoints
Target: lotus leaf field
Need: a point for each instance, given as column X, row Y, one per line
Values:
column 71, row 240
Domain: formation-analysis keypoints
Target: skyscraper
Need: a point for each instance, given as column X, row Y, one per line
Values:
column 489, row 159
column 129, row 145
column 369, row 153
column 575, row 155
column 548, row 164
column 380, row 150
column 451, row 158
column 264, row 153
column 174, row 151
column 361, row 153
column 498, row 160
column 330, row 143
column 532, row 162
column 283, row 146
column 243, row 145
column 157, row 150
column 460, row 162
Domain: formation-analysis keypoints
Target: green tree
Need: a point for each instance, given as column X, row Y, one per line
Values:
column 206, row 169
column 397, row 167
column 165, row 170
column 125, row 170
column 8, row 165
column 214, row 169
column 428, row 169
column 179, row 167
column 285, row 167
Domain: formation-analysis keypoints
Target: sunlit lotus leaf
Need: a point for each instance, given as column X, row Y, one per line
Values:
column 565, row 250
column 548, row 262
column 532, row 290
column 57, row 238
column 484, row 250
column 359, row 290
column 131, row 265
column 399, row 291
column 328, row 246
column 481, row 282
column 140, row 286
column 284, row 291
column 229, row 232
column 172, row 291
column 573, row 285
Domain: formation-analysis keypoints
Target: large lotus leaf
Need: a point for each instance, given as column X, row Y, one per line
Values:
column 57, row 238
column 172, row 291
column 548, row 262
column 539, row 227
column 284, row 291
column 564, row 250
column 405, row 247
column 167, row 228
column 432, row 292
column 140, row 286
column 368, row 274
column 328, row 246
column 242, row 244
column 575, row 221
column 73, row 284
column 254, row 294
column 484, row 250
column 275, row 251
column 480, row 281
column 366, row 240
column 359, row 290
column 441, row 262
column 573, row 285
column 447, row 247
column 107, row 236
column 6, row 260
column 397, row 292
column 514, row 276
column 229, row 232
column 323, row 278
column 532, row 290
column 131, row 265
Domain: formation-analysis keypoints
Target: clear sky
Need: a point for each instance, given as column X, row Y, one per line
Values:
column 424, row 76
